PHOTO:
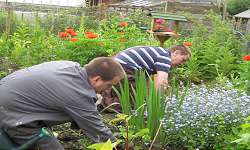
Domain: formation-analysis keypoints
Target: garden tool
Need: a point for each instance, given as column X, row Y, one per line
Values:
column 7, row 144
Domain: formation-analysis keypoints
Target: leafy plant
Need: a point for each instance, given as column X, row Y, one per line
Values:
column 244, row 73
column 244, row 135
column 139, row 94
column 211, row 47
column 124, row 96
column 127, row 131
column 150, row 96
column 104, row 146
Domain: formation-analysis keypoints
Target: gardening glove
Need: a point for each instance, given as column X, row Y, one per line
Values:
column 99, row 99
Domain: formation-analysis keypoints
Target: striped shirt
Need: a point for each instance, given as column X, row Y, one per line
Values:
column 148, row 58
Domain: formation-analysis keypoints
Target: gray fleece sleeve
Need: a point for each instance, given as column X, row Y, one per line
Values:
column 86, row 116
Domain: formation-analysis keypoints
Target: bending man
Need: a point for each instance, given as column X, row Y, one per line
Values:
column 56, row 92
column 156, row 61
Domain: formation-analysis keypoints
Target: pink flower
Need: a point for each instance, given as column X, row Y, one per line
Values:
column 159, row 21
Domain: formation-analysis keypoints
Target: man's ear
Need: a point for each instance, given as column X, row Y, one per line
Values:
column 95, row 79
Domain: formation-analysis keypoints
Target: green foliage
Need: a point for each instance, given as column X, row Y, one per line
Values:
column 32, row 47
column 155, row 109
column 200, row 117
column 211, row 47
column 139, row 93
column 245, row 75
column 84, row 49
column 124, row 96
column 12, row 19
column 104, row 146
column 238, row 139
column 5, row 51
column 2, row 21
column 143, row 93
column 124, row 36
column 237, row 6
column 128, row 133
column 139, row 19
column 54, row 21
column 90, row 23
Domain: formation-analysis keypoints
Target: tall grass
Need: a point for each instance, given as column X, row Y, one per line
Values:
column 139, row 94
column 124, row 96
column 155, row 109
column 144, row 93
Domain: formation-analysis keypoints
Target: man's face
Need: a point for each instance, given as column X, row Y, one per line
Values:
column 100, row 85
column 177, row 58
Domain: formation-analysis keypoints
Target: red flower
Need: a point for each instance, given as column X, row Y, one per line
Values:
column 246, row 57
column 63, row 34
column 74, row 39
column 92, row 36
column 187, row 43
column 123, row 24
column 73, row 33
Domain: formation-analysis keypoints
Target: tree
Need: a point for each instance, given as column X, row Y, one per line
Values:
column 237, row 6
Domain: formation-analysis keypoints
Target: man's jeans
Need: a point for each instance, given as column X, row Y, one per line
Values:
column 24, row 133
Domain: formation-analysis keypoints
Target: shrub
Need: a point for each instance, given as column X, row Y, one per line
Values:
column 237, row 6
column 206, row 115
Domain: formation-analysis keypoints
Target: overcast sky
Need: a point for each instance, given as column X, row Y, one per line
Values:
column 51, row 2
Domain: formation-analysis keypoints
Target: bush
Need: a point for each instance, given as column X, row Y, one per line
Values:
column 213, row 54
column 205, row 116
column 237, row 6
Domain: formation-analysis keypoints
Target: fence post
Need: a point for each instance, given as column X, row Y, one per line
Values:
column 224, row 13
column 8, row 18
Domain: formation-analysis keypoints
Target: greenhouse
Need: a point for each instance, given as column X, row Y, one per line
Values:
column 124, row 75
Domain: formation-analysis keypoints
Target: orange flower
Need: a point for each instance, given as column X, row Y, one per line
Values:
column 73, row 33
column 123, row 24
column 89, row 32
column 74, row 39
column 69, row 30
column 187, row 43
column 246, row 57
column 63, row 34
column 92, row 36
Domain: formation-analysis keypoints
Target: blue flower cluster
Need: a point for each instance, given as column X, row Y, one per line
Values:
column 204, row 115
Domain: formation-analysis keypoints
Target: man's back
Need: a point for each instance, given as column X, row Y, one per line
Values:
column 41, row 93
column 148, row 58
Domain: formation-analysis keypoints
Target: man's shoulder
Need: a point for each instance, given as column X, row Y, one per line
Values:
column 53, row 65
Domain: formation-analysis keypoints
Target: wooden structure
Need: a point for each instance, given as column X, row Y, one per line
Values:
column 165, row 25
column 192, row 6
column 242, row 21
column 142, row 5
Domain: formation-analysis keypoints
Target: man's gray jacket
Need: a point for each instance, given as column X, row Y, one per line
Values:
column 54, row 93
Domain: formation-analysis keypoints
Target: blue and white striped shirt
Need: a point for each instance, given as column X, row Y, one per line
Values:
column 148, row 58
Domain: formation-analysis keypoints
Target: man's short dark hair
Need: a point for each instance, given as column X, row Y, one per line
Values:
column 105, row 67
column 182, row 48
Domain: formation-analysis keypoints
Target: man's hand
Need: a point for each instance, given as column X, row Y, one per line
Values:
column 161, row 80
column 122, row 146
